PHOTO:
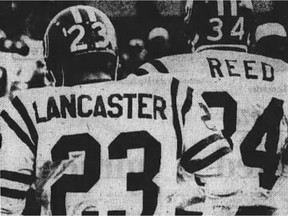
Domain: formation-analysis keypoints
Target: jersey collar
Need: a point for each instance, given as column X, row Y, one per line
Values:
column 225, row 47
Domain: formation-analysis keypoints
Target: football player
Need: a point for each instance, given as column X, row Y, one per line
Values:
column 271, row 41
column 19, row 64
column 8, row 72
column 158, row 43
column 278, row 195
column 96, row 147
column 31, row 71
column 224, row 24
column 245, row 91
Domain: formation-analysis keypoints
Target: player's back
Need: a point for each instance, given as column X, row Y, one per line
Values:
column 107, row 147
column 246, row 92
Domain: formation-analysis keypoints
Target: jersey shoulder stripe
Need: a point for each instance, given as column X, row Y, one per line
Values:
column 141, row 72
column 176, row 123
column 15, row 176
column 19, row 132
column 12, row 193
column 159, row 66
column 19, row 106
column 193, row 165
column 213, row 157
column 187, row 104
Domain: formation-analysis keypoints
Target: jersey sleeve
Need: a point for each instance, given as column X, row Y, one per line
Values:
column 17, row 161
column 203, row 142
column 147, row 68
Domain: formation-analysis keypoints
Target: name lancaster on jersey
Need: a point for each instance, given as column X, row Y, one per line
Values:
column 148, row 106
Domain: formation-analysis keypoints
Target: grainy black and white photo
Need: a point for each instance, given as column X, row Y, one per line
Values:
column 164, row 108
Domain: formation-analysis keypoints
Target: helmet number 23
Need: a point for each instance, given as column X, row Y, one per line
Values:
column 78, row 44
column 237, row 30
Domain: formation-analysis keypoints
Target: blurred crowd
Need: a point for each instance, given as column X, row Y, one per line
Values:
column 143, row 35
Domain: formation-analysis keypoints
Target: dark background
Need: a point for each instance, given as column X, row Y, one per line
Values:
column 132, row 19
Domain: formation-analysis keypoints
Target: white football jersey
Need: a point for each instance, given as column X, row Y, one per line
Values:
column 28, row 64
column 20, row 69
column 246, row 94
column 7, row 63
column 105, row 148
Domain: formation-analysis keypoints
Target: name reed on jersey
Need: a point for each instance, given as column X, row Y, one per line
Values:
column 140, row 105
column 249, row 69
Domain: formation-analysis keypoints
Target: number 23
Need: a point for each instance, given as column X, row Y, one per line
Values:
column 77, row 45
column 117, row 150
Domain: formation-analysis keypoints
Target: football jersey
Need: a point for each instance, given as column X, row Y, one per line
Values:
column 246, row 94
column 105, row 148
column 7, row 63
column 29, row 64
column 20, row 69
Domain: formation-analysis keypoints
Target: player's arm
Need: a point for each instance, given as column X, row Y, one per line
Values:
column 204, row 144
column 278, row 194
column 17, row 160
column 282, row 182
column 203, row 147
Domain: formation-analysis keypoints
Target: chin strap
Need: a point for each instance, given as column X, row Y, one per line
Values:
column 116, row 68
column 194, row 42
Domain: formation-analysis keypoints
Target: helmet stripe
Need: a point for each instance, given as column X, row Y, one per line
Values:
column 91, row 15
column 234, row 7
column 46, row 46
column 76, row 15
column 220, row 7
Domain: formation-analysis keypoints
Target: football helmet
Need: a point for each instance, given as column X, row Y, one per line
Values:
column 77, row 40
column 271, row 41
column 209, row 22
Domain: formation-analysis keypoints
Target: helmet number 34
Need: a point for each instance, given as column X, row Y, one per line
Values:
column 237, row 30
column 78, row 44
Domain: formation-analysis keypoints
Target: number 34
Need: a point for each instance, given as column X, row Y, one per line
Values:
column 237, row 30
column 267, row 123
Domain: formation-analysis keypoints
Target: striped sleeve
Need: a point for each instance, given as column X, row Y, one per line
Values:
column 17, row 161
column 203, row 143
column 152, row 67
